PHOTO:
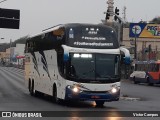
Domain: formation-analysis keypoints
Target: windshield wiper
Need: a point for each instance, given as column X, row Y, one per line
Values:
column 86, row 73
column 115, row 76
column 102, row 77
column 107, row 79
column 107, row 76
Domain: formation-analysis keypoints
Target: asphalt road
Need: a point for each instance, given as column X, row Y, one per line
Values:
column 14, row 96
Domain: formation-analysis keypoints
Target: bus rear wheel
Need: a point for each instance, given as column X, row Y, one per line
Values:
column 32, row 91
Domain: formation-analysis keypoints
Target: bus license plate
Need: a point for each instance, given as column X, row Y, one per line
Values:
column 95, row 97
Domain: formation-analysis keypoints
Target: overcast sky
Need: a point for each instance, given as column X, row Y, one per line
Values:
column 37, row 15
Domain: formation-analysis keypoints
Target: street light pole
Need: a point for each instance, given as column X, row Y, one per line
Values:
column 135, row 49
column 10, row 60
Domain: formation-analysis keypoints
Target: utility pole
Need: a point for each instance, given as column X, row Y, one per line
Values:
column 135, row 49
column 112, row 19
column 110, row 9
column 109, row 13
column 124, row 13
column 10, row 60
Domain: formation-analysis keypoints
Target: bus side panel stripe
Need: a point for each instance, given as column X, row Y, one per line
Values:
column 35, row 62
column 45, row 65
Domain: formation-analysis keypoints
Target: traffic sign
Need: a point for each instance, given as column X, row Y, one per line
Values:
column 9, row 18
column 136, row 29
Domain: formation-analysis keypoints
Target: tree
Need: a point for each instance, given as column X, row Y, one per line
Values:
column 156, row 20
column 21, row 40
column 4, row 46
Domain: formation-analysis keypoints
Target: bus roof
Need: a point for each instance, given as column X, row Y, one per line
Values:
column 66, row 26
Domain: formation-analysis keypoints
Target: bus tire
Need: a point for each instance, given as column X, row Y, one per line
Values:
column 32, row 88
column 99, row 103
column 54, row 97
column 29, row 85
column 33, row 92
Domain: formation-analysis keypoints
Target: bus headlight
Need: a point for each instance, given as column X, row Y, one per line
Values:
column 75, row 89
column 114, row 90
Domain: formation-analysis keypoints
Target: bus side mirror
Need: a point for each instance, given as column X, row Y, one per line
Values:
column 122, row 58
column 125, row 56
column 65, row 54
column 126, row 60
column 65, row 57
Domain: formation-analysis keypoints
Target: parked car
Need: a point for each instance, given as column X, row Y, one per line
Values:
column 139, row 77
column 146, row 72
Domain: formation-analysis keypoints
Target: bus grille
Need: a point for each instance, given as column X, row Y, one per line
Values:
column 89, row 92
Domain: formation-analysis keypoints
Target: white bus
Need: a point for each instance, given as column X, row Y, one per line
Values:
column 74, row 62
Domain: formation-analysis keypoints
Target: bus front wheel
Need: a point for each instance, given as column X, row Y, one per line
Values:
column 55, row 98
column 99, row 103
column 31, row 87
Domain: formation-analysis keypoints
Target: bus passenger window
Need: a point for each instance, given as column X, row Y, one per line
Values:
column 59, row 32
column 157, row 67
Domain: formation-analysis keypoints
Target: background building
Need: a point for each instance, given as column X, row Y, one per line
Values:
column 147, row 48
column 14, row 55
column 18, row 55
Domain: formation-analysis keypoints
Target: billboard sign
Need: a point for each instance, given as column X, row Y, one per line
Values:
column 9, row 18
column 144, row 30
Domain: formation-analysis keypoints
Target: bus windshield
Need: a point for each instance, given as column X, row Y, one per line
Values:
column 94, row 67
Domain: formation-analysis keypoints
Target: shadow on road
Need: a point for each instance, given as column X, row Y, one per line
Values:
column 74, row 104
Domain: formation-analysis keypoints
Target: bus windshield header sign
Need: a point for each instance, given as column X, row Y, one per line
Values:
column 96, row 37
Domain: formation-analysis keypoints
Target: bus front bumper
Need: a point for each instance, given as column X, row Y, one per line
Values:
column 91, row 95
